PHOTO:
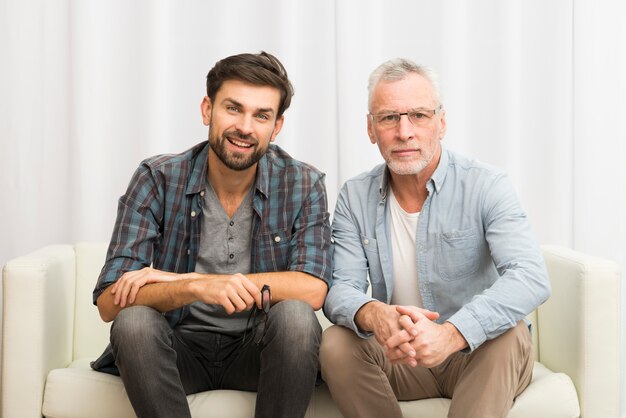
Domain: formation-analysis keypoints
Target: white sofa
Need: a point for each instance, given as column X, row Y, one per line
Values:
column 51, row 331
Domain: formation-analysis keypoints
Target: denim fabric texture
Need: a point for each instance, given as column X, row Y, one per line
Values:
column 478, row 262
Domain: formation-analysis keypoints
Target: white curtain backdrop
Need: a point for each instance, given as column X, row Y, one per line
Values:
column 88, row 88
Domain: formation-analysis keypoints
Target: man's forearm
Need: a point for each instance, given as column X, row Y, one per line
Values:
column 234, row 292
column 163, row 297
column 293, row 285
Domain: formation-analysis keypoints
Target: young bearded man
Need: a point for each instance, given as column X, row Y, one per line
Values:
column 219, row 257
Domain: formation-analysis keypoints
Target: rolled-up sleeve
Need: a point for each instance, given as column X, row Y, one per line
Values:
column 311, row 239
column 135, row 232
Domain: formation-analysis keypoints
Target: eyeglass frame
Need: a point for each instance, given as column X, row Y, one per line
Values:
column 407, row 114
column 259, row 326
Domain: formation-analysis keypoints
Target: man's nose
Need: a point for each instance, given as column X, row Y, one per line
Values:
column 405, row 127
column 244, row 124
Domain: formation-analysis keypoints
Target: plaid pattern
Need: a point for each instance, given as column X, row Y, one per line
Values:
column 159, row 218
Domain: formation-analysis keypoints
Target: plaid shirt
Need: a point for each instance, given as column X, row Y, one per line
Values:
column 159, row 218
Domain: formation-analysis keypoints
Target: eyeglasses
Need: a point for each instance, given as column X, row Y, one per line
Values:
column 259, row 317
column 418, row 117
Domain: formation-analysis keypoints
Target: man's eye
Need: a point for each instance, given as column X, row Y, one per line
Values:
column 418, row 115
column 389, row 118
column 234, row 109
column 263, row 116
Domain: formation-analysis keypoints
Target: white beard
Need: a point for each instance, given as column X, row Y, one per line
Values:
column 407, row 168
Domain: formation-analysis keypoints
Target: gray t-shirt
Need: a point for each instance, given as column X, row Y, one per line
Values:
column 225, row 245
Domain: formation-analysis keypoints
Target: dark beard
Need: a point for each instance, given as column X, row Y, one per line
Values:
column 234, row 161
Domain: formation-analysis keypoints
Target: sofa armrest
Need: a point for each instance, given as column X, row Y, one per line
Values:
column 38, row 321
column 579, row 327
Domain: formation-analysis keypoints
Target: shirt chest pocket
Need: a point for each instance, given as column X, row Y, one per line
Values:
column 457, row 254
column 274, row 250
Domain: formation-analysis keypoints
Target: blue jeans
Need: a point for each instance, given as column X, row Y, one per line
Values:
column 160, row 365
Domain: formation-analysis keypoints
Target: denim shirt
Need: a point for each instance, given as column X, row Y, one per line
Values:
column 479, row 264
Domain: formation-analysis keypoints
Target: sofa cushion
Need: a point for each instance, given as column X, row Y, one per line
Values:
column 79, row 392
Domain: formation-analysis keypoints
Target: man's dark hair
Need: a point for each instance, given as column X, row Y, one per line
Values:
column 260, row 69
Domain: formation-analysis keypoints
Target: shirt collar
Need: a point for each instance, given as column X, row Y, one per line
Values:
column 384, row 182
column 197, row 179
column 262, row 174
column 439, row 175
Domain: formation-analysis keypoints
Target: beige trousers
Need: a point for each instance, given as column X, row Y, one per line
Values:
column 482, row 384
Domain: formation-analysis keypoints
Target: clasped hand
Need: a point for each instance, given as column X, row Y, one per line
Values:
column 418, row 340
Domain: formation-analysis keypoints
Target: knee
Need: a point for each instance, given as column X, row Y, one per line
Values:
column 137, row 325
column 515, row 345
column 294, row 323
column 339, row 347
column 518, row 339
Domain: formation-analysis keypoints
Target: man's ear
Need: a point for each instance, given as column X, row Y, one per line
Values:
column 278, row 125
column 205, row 108
column 370, row 130
column 442, row 130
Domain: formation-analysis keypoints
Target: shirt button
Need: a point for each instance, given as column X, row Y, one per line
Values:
column 231, row 223
column 193, row 214
column 231, row 256
column 188, row 251
column 276, row 238
column 366, row 241
column 202, row 193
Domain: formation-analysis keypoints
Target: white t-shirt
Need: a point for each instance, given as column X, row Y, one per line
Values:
column 403, row 241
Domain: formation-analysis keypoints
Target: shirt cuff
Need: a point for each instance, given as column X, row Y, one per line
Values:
column 469, row 328
column 354, row 326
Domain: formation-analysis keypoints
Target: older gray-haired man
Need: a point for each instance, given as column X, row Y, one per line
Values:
column 452, row 262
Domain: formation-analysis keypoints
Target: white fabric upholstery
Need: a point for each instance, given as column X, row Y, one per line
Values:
column 580, row 327
column 91, row 334
column 51, row 331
